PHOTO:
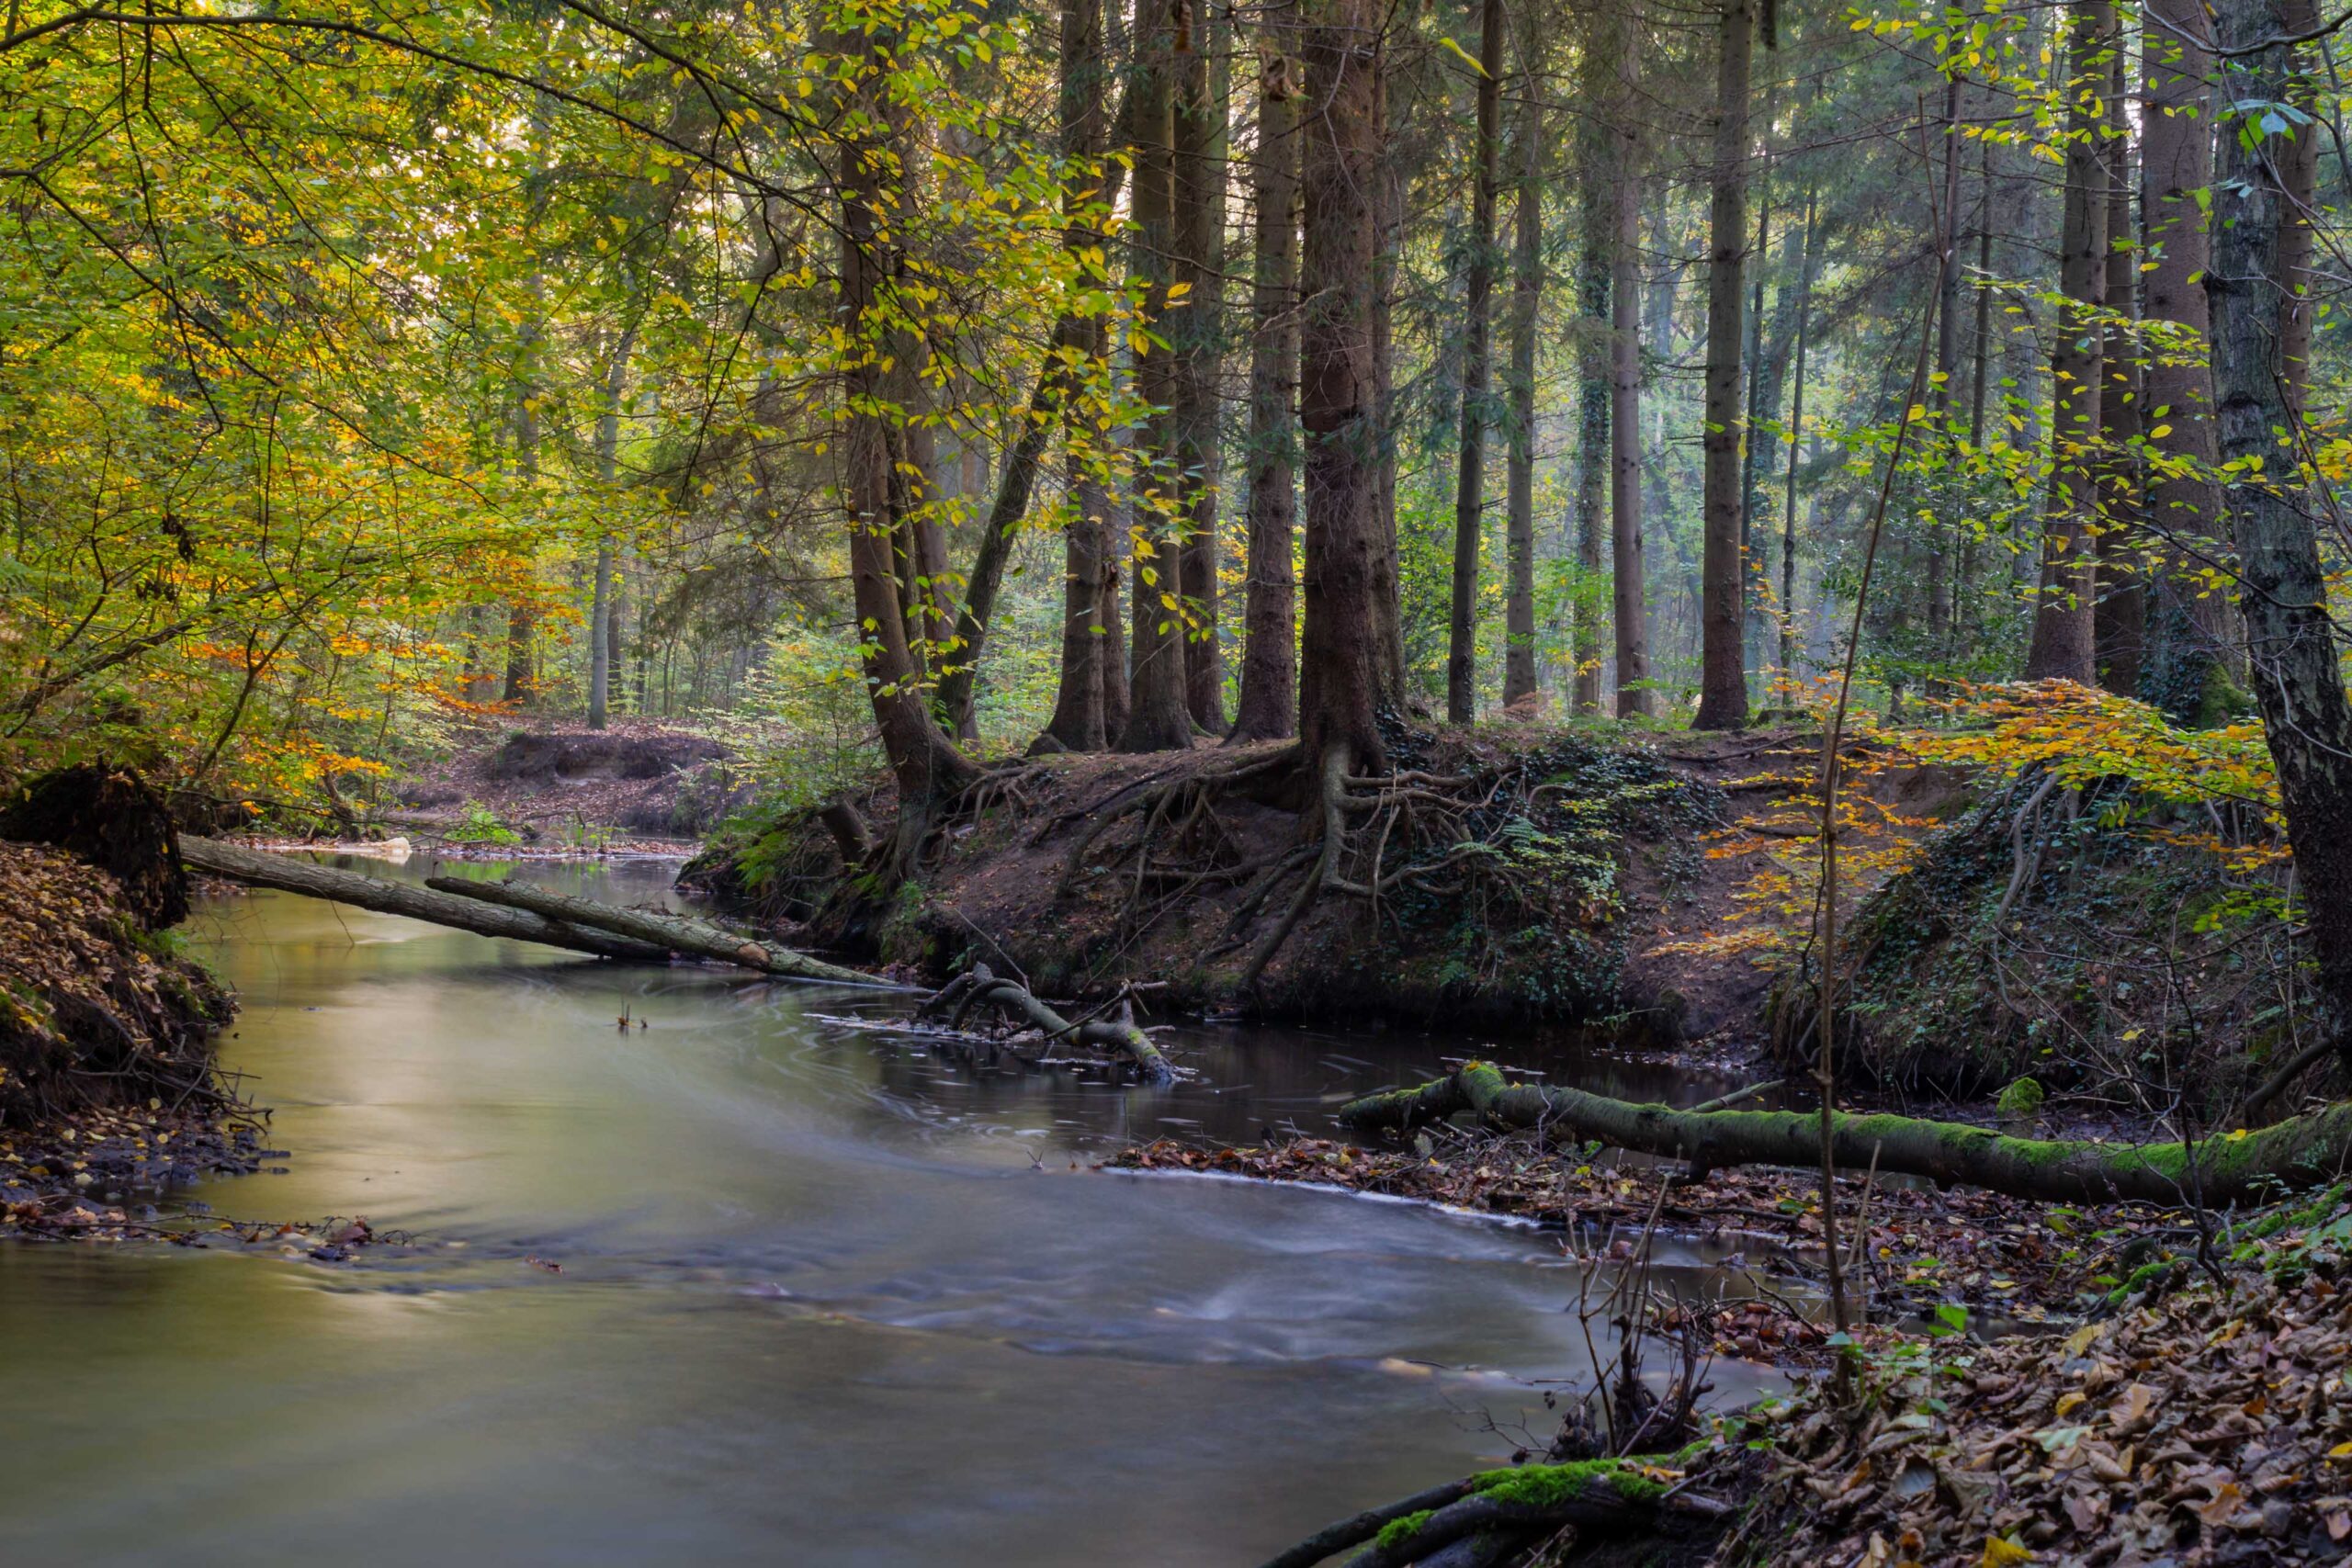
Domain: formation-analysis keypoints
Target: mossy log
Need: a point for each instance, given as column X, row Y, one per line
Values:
column 2234, row 1168
column 1600, row 1497
column 1119, row 1034
column 673, row 933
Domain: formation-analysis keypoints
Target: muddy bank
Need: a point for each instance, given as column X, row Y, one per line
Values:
column 108, row 1087
column 1524, row 877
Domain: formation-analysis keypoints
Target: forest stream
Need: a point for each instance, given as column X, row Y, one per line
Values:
column 743, row 1284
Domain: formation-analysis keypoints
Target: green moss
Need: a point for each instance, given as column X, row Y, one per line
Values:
column 2022, row 1098
column 1548, row 1486
column 1396, row 1532
column 2282, row 1218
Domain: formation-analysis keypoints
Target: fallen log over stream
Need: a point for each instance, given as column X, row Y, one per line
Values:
column 2227, row 1168
column 586, row 927
column 675, row 933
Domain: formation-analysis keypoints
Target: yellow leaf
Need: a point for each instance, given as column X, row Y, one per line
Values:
column 2000, row 1553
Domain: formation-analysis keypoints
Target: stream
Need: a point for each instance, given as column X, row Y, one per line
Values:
column 817, row 1296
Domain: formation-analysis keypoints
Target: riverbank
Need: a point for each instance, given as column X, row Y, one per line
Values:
column 109, row 1089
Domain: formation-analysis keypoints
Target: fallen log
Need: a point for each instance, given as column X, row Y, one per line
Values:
column 1509, row 1507
column 1118, row 1034
column 675, row 933
column 258, row 868
column 2234, row 1168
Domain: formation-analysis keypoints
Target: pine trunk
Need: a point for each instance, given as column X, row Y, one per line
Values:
column 1723, row 673
column 1629, row 589
column 2118, row 621
column 1197, row 174
column 1268, row 709
column 1477, row 412
column 1526, row 301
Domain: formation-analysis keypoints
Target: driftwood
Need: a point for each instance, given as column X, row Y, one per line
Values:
column 977, row 987
column 2222, row 1169
column 672, row 933
column 259, row 868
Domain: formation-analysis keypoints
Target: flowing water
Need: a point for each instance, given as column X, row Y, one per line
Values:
column 820, row 1297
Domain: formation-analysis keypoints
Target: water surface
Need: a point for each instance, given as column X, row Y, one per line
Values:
column 819, row 1297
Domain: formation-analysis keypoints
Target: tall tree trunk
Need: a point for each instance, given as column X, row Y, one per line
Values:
column 2191, row 628
column 1722, row 674
column 1763, row 398
column 1629, row 588
column 2117, row 620
column 1113, row 655
column 1526, row 301
column 1939, row 537
column 1078, row 723
column 1268, row 709
column 1156, row 719
column 1340, row 653
column 2063, row 646
column 1477, row 411
column 601, row 606
column 1387, row 598
column 2298, row 679
column 1796, row 431
column 1197, row 175
column 1597, row 148
column 926, row 765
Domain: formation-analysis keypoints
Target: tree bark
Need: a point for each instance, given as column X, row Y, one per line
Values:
column 1268, row 704
column 1076, row 723
column 2298, row 680
column 1526, row 303
column 1156, row 719
column 1629, row 588
column 2191, row 626
column 2303, row 1150
column 926, row 764
column 1723, row 673
column 1198, row 197
column 671, row 934
column 1477, row 412
column 2118, row 620
column 1796, row 429
column 1940, row 538
column 601, row 608
column 257, row 868
column 1341, row 654
column 1597, row 177
column 2063, row 646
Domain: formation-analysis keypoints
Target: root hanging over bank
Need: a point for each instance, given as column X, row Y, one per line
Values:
column 2301, row 1151
column 1111, row 1027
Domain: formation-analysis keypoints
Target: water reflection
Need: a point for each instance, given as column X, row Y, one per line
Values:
column 823, row 1297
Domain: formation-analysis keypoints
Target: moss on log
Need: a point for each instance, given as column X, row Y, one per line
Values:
column 2232, row 1168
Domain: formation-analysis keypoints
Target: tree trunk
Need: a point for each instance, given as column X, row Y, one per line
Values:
column 1796, row 431
column 600, row 605
column 1939, row 535
column 1156, row 719
column 1526, row 301
column 1389, row 219
column 927, row 766
column 2119, row 619
column 1763, row 398
column 1629, row 590
column 2305, row 1150
column 1197, row 188
column 1269, row 705
column 668, row 934
column 1342, row 656
column 1477, row 412
column 2191, row 629
column 2291, row 640
column 2063, row 646
column 1723, row 673
column 1596, row 150
column 1113, row 656
column 1078, row 723
column 257, row 868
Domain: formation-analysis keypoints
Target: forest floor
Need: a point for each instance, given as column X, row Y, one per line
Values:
column 543, row 787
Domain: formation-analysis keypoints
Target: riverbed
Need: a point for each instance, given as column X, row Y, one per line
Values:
column 736, row 1282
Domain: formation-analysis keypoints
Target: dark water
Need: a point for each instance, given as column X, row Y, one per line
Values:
column 823, row 1297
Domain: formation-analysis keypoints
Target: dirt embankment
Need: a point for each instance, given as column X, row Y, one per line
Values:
column 1502, row 877
column 555, row 784
column 108, row 1087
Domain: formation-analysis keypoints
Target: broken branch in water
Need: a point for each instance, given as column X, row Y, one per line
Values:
column 1118, row 1033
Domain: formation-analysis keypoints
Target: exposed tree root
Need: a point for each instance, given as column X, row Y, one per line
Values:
column 2239, row 1168
column 1117, row 1033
